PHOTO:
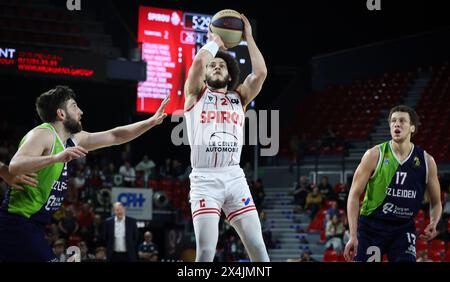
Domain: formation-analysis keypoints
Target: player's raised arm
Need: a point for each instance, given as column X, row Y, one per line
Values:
column 121, row 134
column 196, row 76
column 253, row 83
column 360, row 178
column 434, row 190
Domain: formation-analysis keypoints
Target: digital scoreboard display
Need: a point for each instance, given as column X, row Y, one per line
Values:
column 51, row 63
column 169, row 40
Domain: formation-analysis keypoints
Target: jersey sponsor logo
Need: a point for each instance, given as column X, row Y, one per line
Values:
column 234, row 101
column 401, row 193
column 390, row 208
column 210, row 99
column 53, row 203
column 59, row 185
column 246, row 201
column 416, row 161
column 219, row 142
column 221, row 117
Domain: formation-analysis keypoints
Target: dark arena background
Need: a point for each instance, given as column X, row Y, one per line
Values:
column 335, row 68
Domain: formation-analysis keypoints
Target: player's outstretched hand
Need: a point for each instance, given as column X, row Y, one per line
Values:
column 351, row 249
column 429, row 233
column 160, row 115
column 70, row 153
column 17, row 181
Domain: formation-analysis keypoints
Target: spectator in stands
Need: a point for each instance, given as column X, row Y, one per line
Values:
column 128, row 173
column 334, row 233
column 95, row 233
column 58, row 248
column 51, row 233
column 257, row 191
column 148, row 251
column 186, row 173
column 174, row 237
column 109, row 173
column 301, row 190
column 121, row 235
column 177, row 168
column 306, row 257
column 68, row 224
column 85, row 219
column 97, row 177
column 84, row 252
column 332, row 210
column 100, row 254
column 166, row 169
column 79, row 180
column 314, row 201
column 342, row 196
column 147, row 166
column 325, row 188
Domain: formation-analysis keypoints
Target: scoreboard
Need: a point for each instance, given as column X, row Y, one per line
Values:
column 169, row 40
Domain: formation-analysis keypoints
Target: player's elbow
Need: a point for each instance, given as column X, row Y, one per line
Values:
column 261, row 73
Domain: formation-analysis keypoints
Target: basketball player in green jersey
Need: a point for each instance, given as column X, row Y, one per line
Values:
column 395, row 175
column 46, row 150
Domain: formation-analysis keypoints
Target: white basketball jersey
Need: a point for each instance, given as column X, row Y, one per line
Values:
column 215, row 127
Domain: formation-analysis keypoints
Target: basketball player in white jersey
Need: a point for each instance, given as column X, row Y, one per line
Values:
column 214, row 110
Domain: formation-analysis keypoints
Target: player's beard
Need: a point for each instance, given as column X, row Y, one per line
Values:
column 217, row 83
column 72, row 125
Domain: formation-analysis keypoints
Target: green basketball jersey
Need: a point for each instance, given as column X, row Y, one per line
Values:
column 39, row 203
column 396, row 188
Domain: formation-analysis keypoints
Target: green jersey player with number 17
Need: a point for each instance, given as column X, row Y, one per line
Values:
column 395, row 175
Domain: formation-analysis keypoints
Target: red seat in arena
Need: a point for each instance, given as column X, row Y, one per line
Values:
column 435, row 256
column 330, row 256
column 447, row 256
column 421, row 245
column 438, row 245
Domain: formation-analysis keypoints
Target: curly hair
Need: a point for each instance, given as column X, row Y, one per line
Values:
column 233, row 69
column 49, row 102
